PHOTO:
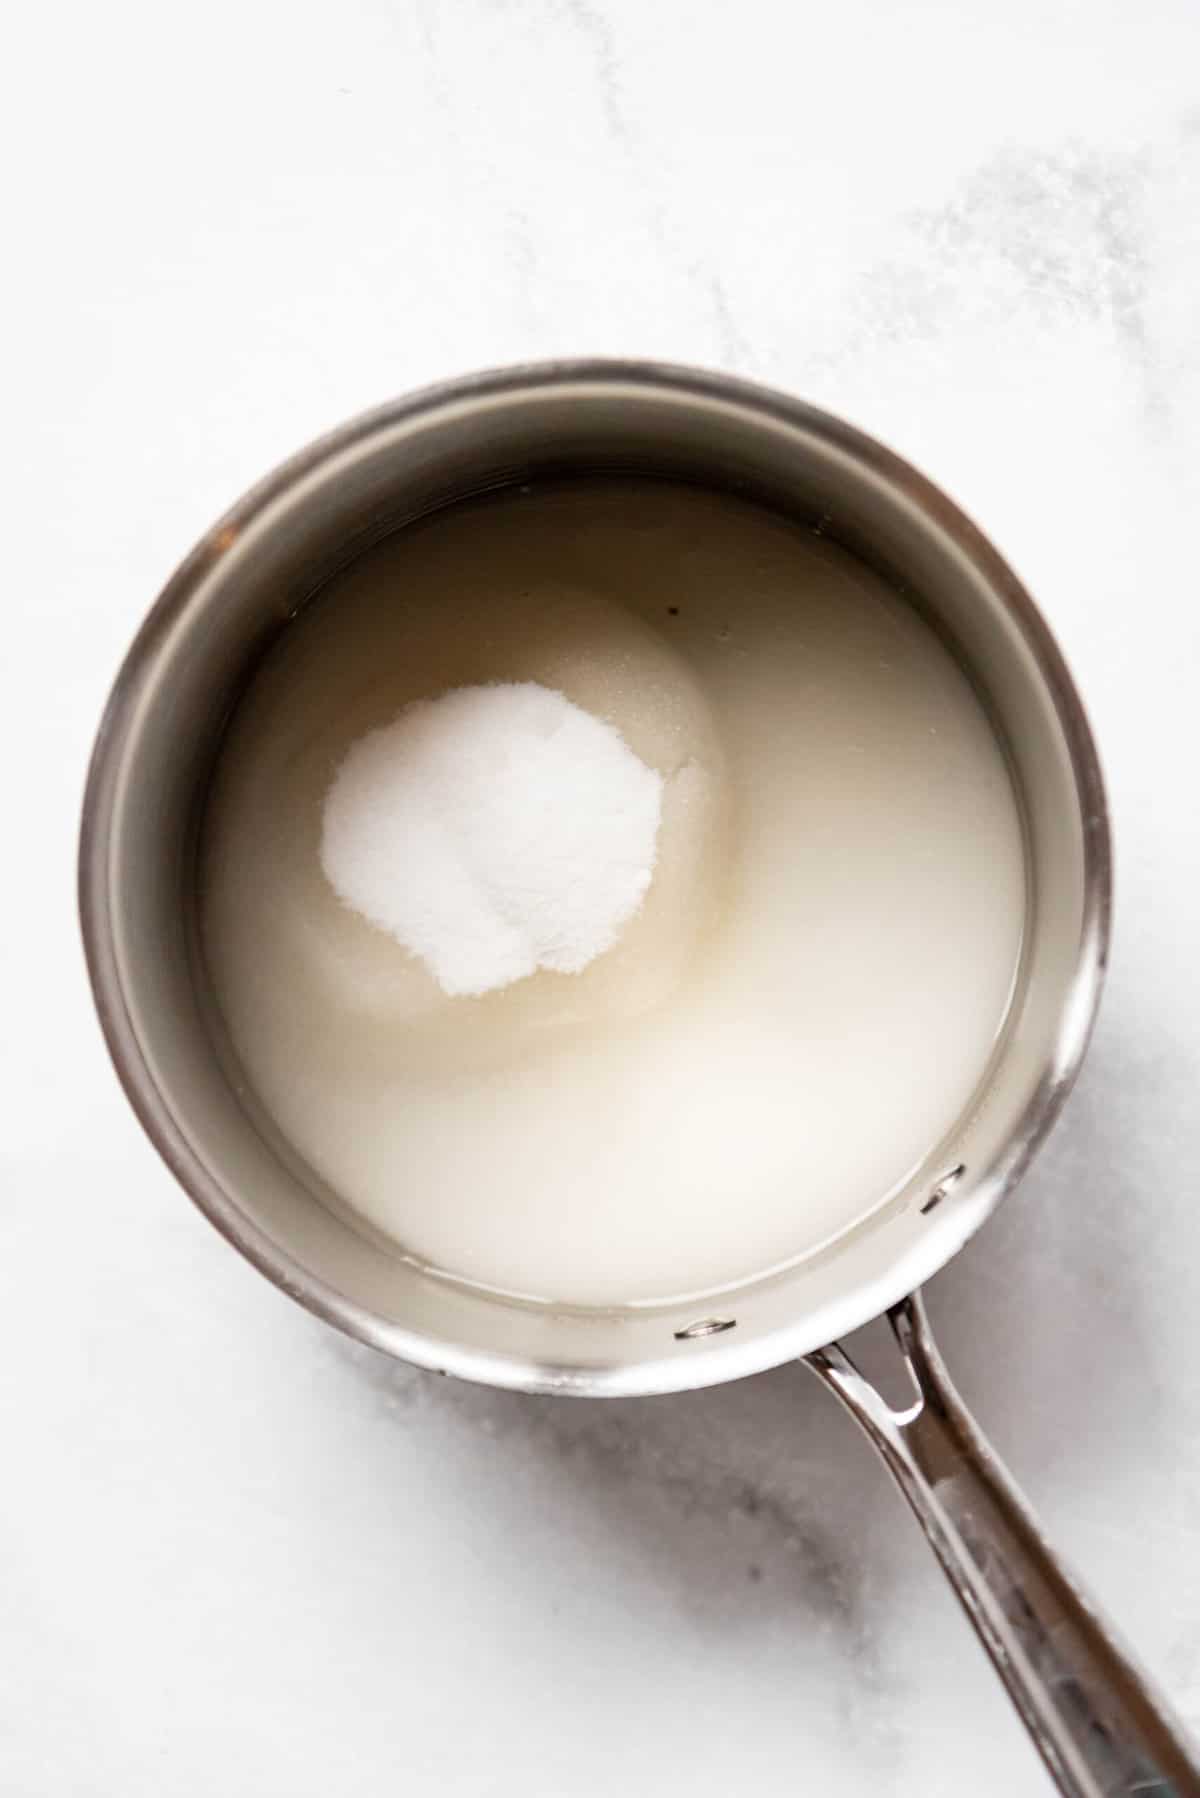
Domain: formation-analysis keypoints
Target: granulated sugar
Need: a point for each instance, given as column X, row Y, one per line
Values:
column 493, row 831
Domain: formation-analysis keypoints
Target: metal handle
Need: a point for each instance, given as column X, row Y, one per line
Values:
column 1096, row 1720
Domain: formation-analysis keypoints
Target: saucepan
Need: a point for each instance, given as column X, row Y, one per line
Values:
column 1095, row 1718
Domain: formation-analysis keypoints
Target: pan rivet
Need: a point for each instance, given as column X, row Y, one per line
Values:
column 706, row 1326
column 944, row 1185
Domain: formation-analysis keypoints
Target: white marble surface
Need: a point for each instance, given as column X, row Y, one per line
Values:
column 236, row 1554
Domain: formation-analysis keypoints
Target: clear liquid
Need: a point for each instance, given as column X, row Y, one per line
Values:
column 812, row 990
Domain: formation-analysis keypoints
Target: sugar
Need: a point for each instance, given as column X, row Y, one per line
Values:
column 493, row 831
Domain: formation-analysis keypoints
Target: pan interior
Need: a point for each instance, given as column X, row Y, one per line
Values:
column 811, row 990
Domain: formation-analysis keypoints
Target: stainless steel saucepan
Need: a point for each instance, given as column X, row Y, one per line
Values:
column 1100, row 1727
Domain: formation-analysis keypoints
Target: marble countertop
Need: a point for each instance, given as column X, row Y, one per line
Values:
column 240, row 1555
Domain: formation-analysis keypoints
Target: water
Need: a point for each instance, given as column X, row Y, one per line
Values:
column 806, row 1001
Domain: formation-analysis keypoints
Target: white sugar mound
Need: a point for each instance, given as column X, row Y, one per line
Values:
column 493, row 831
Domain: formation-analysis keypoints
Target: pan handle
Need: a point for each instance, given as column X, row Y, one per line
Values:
column 1096, row 1720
